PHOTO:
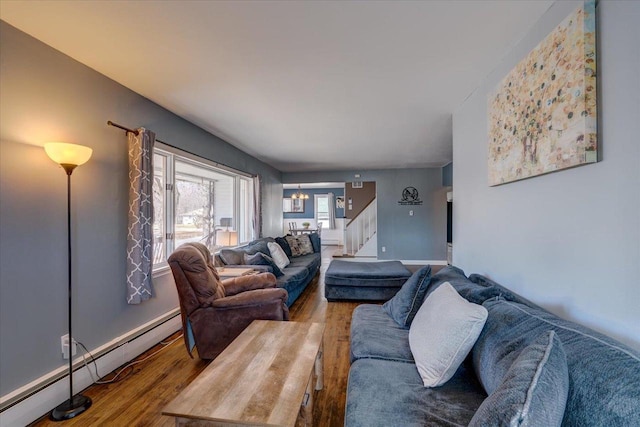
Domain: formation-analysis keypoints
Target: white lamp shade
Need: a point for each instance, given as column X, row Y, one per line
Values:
column 68, row 154
column 226, row 238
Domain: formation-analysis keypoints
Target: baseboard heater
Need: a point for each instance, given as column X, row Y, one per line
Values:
column 31, row 401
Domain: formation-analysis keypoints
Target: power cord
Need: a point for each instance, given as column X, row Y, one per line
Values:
column 130, row 365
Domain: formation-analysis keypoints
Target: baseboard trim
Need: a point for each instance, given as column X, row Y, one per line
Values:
column 355, row 258
column 31, row 401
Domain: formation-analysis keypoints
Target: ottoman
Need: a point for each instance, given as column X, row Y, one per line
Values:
column 364, row 281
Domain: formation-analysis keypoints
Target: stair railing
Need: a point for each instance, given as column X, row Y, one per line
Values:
column 361, row 228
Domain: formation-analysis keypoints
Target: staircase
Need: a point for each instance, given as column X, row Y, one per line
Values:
column 361, row 229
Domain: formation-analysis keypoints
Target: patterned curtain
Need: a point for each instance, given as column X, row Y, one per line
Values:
column 257, row 208
column 331, row 201
column 140, row 233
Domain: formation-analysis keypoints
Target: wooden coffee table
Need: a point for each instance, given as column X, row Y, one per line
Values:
column 265, row 377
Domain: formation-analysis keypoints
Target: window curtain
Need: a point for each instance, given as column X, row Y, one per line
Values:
column 140, row 231
column 331, row 201
column 257, row 209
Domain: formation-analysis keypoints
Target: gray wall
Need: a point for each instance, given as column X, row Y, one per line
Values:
column 309, row 205
column 447, row 175
column 48, row 96
column 419, row 237
column 569, row 240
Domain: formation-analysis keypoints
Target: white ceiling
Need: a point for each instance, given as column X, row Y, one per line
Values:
column 314, row 85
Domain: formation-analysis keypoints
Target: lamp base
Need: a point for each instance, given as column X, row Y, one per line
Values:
column 70, row 408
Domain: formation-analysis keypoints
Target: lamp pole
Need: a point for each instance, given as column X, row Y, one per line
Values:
column 69, row 171
column 69, row 156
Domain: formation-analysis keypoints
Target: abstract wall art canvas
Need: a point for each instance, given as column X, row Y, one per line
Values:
column 542, row 115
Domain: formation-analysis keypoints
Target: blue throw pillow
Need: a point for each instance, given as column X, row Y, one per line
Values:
column 405, row 304
column 257, row 246
column 315, row 242
column 232, row 257
column 534, row 390
column 261, row 259
column 284, row 245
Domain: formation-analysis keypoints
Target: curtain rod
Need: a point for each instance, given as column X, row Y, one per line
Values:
column 136, row 132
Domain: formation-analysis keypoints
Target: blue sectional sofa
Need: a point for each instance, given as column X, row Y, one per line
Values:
column 386, row 389
column 297, row 275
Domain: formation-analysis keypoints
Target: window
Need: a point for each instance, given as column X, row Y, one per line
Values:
column 322, row 210
column 197, row 201
column 159, row 208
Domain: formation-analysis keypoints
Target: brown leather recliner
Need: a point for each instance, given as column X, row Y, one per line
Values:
column 215, row 312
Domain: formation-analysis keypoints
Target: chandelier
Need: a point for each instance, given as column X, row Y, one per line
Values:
column 299, row 195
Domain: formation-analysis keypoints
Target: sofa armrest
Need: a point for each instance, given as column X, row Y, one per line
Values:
column 237, row 285
column 260, row 268
column 257, row 297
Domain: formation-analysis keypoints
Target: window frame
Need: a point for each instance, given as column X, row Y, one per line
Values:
column 170, row 155
column 315, row 209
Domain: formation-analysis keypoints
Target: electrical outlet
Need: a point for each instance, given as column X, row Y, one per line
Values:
column 64, row 344
column 384, row 249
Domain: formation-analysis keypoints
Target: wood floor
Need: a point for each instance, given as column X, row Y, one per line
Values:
column 139, row 398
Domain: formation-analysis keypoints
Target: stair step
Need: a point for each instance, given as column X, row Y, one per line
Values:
column 343, row 256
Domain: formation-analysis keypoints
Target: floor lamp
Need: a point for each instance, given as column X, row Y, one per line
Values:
column 69, row 156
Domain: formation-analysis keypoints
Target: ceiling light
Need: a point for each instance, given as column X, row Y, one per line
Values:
column 299, row 195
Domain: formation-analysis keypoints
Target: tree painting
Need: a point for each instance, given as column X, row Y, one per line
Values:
column 542, row 115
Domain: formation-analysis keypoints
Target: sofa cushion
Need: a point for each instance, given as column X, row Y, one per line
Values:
column 473, row 292
column 235, row 256
column 256, row 246
column 533, row 391
column 232, row 256
column 300, row 245
column 375, row 335
column 292, row 241
column 315, row 242
column 604, row 375
column 284, row 245
column 443, row 332
column 488, row 289
column 278, row 255
column 405, row 304
column 261, row 259
column 383, row 393
column 292, row 276
column 306, row 247
column 294, row 281
column 311, row 262
column 304, row 260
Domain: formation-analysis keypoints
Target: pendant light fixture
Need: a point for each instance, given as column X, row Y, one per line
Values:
column 299, row 195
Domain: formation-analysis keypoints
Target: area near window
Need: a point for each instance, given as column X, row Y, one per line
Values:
column 322, row 210
column 197, row 201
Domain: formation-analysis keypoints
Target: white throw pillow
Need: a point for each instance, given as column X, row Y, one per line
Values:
column 443, row 332
column 279, row 257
